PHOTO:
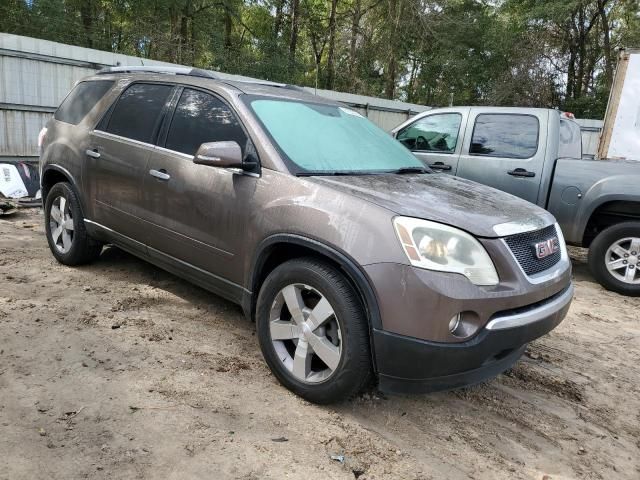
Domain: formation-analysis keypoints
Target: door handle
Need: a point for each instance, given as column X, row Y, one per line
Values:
column 160, row 174
column 521, row 172
column 93, row 153
column 439, row 166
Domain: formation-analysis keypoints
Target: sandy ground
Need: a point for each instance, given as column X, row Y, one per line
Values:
column 120, row 370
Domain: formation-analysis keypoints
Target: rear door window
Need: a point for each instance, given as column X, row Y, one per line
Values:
column 81, row 100
column 200, row 118
column 136, row 114
column 505, row 135
column 433, row 133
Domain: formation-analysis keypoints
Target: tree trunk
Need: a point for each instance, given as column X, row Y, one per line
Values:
column 86, row 12
column 412, row 80
column 608, row 60
column 277, row 22
column 228, row 27
column 353, row 43
column 582, row 52
column 571, row 72
column 392, row 64
column 331, row 57
column 295, row 21
column 184, row 31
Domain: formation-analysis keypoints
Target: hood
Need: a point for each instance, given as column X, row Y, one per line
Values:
column 445, row 199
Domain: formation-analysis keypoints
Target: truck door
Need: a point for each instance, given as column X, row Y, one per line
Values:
column 505, row 149
column 436, row 139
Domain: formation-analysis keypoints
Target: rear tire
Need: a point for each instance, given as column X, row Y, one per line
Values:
column 64, row 225
column 313, row 331
column 614, row 258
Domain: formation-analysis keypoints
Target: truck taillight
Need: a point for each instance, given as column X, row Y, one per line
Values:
column 569, row 115
column 41, row 136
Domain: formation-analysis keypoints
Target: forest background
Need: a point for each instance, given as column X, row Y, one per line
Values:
column 544, row 53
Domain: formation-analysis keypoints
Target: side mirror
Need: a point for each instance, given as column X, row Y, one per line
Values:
column 221, row 155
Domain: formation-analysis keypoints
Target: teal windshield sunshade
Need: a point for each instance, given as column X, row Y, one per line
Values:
column 327, row 138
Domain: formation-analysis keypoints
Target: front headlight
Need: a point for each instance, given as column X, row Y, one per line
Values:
column 435, row 246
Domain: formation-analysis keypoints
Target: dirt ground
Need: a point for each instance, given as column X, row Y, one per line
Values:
column 120, row 370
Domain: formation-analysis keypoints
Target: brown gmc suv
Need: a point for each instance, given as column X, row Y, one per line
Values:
column 356, row 262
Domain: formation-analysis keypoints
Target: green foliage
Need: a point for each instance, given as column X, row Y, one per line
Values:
column 548, row 53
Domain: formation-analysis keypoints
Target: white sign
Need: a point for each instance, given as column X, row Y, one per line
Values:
column 11, row 185
column 625, row 137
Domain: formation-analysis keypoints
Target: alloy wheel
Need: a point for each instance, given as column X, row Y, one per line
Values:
column 61, row 224
column 305, row 333
column 622, row 260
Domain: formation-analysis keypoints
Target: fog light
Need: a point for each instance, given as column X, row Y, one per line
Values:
column 454, row 323
column 464, row 324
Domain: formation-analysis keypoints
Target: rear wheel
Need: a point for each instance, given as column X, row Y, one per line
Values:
column 614, row 258
column 64, row 225
column 313, row 332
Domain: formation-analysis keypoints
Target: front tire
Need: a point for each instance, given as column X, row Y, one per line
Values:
column 614, row 258
column 313, row 331
column 64, row 225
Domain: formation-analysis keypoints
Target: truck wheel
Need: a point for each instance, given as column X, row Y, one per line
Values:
column 313, row 331
column 614, row 258
column 64, row 225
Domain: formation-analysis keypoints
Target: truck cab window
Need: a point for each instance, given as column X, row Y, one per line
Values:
column 433, row 133
column 505, row 135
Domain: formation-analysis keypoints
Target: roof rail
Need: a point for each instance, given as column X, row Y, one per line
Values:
column 193, row 72
column 289, row 86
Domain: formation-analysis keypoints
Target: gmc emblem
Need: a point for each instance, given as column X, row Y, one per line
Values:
column 546, row 248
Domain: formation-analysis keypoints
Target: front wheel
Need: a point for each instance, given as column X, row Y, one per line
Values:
column 313, row 332
column 614, row 258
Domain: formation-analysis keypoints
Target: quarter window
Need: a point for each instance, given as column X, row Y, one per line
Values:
column 136, row 115
column 505, row 135
column 81, row 100
column 200, row 118
column 433, row 133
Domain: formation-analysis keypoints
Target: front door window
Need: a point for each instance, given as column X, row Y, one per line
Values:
column 433, row 133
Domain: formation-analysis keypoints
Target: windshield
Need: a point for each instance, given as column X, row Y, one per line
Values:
column 327, row 139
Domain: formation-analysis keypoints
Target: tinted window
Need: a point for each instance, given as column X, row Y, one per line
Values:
column 136, row 115
column 433, row 133
column 201, row 118
column 500, row 135
column 81, row 99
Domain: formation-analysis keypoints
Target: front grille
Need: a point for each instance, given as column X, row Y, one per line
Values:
column 522, row 246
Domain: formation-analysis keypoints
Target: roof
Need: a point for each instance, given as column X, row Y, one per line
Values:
column 198, row 77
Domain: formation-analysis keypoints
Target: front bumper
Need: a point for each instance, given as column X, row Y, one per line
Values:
column 411, row 365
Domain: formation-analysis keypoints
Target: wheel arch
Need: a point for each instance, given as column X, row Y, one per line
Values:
column 53, row 174
column 279, row 248
column 607, row 214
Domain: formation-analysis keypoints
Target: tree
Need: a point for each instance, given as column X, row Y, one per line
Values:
column 548, row 53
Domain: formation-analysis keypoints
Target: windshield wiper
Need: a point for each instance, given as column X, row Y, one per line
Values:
column 335, row 174
column 411, row 170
